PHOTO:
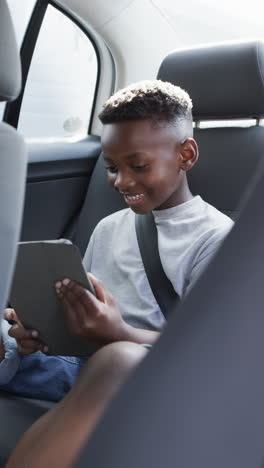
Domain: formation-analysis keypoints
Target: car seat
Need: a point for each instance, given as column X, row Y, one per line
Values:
column 13, row 158
column 13, row 162
column 196, row 401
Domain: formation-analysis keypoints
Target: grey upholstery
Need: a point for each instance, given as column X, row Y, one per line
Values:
column 13, row 156
column 13, row 162
column 10, row 69
column 100, row 201
column 227, row 163
column 197, row 400
column 225, row 81
column 16, row 415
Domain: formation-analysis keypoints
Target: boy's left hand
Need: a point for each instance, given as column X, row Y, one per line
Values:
column 95, row 318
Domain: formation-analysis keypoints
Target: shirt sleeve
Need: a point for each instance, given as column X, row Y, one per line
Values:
column 88, row 256
column 10, row 364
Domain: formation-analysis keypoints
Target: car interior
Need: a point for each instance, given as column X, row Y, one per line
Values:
column 196, row 399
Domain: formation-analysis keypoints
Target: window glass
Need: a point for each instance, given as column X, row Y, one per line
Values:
column 61, row 82
column 20, row 12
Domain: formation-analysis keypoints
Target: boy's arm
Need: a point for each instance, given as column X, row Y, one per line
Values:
column 139, row 335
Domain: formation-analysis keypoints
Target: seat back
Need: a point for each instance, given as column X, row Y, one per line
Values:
column 13, row 157
column 225, row 83
column 197, row 399
column 100, row 201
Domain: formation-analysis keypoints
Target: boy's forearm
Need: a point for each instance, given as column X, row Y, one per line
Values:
column 139, row 335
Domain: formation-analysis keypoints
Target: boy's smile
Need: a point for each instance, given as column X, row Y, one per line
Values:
column 133, row 199
column 147, row 164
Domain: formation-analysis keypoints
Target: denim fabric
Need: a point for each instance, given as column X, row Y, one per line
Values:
column 45, row 377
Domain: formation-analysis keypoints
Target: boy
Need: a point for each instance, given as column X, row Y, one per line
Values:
column 148, row 147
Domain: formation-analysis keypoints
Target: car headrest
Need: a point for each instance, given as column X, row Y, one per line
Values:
column 10, row 68
column 225, row 81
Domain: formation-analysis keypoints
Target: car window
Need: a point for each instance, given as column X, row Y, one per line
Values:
column 61, row 83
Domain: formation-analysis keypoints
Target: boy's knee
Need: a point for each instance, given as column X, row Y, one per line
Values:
column 121, row 356
column 114, row 362
column 107, row 370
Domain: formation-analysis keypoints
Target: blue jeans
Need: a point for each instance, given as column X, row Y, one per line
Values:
column 45, row 377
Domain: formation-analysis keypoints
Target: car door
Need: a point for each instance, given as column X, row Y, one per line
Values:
column 61, row 72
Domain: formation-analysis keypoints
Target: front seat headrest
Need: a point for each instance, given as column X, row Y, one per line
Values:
column 225, row 81
column 10, row 69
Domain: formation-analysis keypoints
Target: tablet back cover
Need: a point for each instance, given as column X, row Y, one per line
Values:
column 39, row 265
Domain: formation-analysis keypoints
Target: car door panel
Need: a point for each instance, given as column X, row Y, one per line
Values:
column 57, row 181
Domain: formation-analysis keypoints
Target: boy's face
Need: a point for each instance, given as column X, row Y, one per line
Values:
column 147, row 164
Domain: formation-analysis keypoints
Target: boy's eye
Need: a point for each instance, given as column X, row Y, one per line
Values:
column 111, row 169
column 139, row 167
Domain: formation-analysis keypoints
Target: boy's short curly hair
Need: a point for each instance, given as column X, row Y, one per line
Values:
column 156, row 100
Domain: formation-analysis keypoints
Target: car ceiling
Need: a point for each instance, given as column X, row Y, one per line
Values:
column 145, row 30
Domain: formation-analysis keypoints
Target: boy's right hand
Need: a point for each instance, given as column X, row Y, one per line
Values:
column 27, row 340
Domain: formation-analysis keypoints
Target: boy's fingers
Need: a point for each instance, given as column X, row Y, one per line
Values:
column 102, row 293
column 30, row 346
column 20, row 333
column 98, row 287
column 77, row 299
column 88, row 302
column 10, row 314
column 70, row 312
column 24, row 351
column 77, row 294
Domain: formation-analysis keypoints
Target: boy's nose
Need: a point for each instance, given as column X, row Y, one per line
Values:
column 123, row 182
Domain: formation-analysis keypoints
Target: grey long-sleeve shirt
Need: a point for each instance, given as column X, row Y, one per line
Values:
column 188, row 236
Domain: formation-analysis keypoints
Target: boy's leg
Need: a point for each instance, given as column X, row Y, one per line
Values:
column 57, row 437
column 42, row 376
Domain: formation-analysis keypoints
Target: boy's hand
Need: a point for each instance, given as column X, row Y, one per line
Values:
column 96, row 318
column 27, row 340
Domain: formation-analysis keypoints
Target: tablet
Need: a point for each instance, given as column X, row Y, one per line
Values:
column 38, row 266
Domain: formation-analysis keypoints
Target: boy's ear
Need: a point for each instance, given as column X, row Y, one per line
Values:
column 189, row 153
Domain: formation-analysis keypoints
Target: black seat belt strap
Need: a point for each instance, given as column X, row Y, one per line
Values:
column 147, row 238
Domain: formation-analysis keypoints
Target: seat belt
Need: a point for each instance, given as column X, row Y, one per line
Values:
column 147, row 237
